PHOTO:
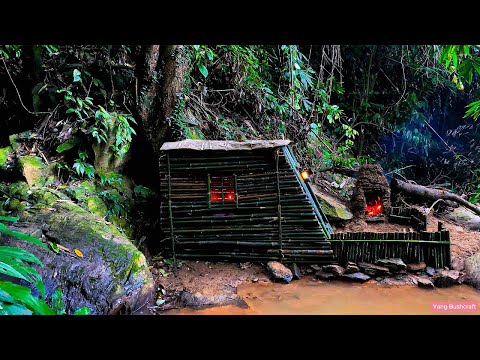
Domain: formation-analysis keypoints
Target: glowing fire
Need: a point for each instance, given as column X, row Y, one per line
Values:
column 374, row 207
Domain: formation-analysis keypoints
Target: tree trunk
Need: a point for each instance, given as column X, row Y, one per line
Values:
column 432, row 194
column 162, row 80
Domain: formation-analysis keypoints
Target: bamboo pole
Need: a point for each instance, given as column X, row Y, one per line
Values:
column 170, row 213
column 279, row 209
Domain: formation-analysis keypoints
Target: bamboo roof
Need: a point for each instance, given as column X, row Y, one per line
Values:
column 225, row 145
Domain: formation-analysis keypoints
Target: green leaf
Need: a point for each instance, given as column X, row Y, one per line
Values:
column 15, row 309
column 21, row 236
column 77, row 75
column 82, row 311
column 9, row 218
column 54, row 247
column 67, row 145
column 23, row 295
column 57, row 301
column 71, row 110
column 19, row 254
column 5, row 297
column 203, row 70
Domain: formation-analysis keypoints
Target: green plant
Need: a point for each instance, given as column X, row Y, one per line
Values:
column 82, row 167
column 104, row 123
column 462, row 62
column 202, row 55
column 115, row 203
column 111, row 178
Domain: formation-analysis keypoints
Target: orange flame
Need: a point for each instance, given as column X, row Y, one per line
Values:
column 374, row 207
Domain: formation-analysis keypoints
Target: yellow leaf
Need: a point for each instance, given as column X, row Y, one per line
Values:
column 78, row 252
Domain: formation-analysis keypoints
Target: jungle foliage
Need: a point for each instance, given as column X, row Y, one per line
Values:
column 92, row 108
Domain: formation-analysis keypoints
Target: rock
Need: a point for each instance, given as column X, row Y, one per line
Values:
column 356, row 277
column 425, row 283
column 315, row 267
column 351, row 268
column 430, row 271
column 279, row 271
column 446, row 278
column 96, row 206
column 379, row 278
column 297, row 275
column 472, row 269
column 465, row 218
column 309, row 271
column 336, row 270
column 393, row 264
column 19, row 190
column 463, row 279
column 111, row 271
column 416, row 267
column 198, row 300
column 458, row 264
column 373, row 270
column 4, row 155
column 255, row 279
column 35, row 172
column 322, row 275
column 334, row 208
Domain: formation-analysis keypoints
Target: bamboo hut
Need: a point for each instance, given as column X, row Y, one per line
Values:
column 243, row 201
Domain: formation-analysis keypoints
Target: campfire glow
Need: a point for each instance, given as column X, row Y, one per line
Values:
column 374, row 207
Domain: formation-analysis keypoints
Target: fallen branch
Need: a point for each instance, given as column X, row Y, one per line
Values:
column 433, row 194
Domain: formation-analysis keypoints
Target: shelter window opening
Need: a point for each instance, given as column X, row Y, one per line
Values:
column 222, row 189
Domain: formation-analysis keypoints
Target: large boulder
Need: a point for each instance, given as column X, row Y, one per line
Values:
column 464, row 217
column 279, row 271
column 333, row 208
column 472, row 269
column 111, row 276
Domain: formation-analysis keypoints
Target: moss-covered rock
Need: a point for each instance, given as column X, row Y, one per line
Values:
column 112, row 273
column 333, row 208
column 123, row 224
column 19, row 190
column 35, row 172
column 4, row 154
column 16, row 206
column 46, row 197
column 82, row 191
column 96, row 206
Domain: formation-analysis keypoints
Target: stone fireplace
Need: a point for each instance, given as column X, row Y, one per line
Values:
column 370, row 200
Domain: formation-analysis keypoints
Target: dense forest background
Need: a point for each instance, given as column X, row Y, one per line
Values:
column 101, row 113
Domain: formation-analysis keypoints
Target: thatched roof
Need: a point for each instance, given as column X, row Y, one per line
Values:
column 226, row 145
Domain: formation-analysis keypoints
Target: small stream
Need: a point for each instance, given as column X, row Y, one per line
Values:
column 309, row 297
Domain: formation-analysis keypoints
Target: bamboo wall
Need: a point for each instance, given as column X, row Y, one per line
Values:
column 270, row 219
column 433, row 248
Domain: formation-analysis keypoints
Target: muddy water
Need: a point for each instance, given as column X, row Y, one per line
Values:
column 307, row 297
